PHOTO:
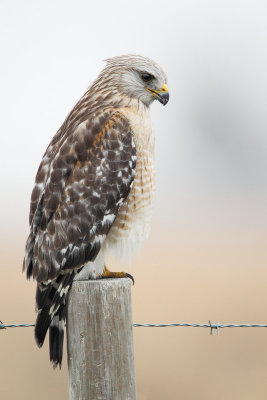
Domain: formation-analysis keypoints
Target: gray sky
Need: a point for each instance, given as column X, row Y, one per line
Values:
column 211, row 142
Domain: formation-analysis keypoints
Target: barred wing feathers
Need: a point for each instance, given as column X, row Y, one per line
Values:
column 75, row 203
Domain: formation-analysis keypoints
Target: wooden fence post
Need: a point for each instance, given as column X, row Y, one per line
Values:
column 100, row 340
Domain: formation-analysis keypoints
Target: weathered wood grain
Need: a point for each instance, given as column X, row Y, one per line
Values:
column 100, row 340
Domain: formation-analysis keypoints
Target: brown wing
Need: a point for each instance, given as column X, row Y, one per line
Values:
column 89, row 178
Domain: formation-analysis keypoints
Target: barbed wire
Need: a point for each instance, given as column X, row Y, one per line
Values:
column 210, row 325
column 3, row 326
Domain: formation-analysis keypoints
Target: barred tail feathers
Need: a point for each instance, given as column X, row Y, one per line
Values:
column 56, row 336
column 50, row 301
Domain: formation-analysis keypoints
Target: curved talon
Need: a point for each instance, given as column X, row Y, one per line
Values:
column 129, row 276
column 109, row 274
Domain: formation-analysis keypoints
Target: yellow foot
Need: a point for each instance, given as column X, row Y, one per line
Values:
column 108, row 274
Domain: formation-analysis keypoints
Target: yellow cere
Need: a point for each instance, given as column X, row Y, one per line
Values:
column 164, row 88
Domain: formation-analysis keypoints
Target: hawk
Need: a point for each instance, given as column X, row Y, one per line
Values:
column 93, row 189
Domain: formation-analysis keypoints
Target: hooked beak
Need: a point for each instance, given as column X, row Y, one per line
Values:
column 161, row 95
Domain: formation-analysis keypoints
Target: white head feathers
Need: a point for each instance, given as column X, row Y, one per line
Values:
column 135, row 76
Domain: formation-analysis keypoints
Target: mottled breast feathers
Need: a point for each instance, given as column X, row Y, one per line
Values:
column 79, row 189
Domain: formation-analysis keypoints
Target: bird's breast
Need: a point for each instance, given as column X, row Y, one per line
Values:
column 132, row 224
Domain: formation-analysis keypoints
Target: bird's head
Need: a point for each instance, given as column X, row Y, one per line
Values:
column 137, row 77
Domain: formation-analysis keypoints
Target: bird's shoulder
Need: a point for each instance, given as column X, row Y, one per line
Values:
column 78, row 144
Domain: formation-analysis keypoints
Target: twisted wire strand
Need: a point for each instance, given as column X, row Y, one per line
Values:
column 210, row 325
column 3, row 326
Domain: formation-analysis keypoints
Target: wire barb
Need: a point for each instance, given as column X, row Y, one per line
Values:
column 2, row 326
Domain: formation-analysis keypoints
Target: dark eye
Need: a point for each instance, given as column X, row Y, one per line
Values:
column 147, row 77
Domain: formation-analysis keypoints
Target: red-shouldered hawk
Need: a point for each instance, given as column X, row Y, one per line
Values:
column 93, row 190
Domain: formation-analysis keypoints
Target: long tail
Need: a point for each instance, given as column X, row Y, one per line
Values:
column 51, row 309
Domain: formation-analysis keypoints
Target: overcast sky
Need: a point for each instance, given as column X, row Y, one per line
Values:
column 211, row 141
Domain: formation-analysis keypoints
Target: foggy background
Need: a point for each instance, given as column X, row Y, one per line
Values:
column 206, row 256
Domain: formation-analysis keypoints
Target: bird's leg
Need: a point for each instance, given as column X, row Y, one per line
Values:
column 108, row 274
